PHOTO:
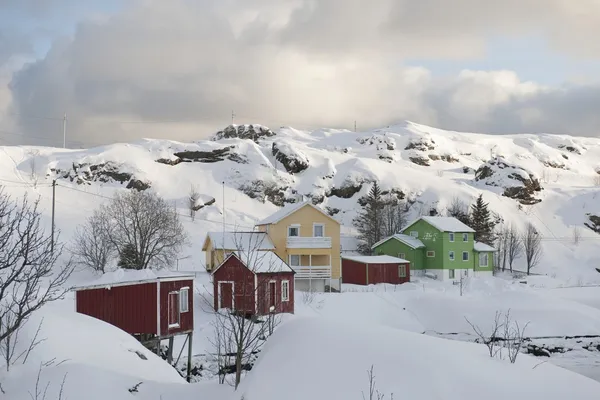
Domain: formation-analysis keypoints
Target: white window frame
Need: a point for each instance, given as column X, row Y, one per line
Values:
column 295, row 226
column 221, row 293
column 299, row 259
column 402, row 256
column 430, row 251
column 465, row 237
column 285, row 290
column 402, row 271
column 463, row 255
column 414, row 234
column 451, row 237
column 178, row 323
column 451, row 274
column 487, row 260
column 184, row 306
column 451, row 256
column 322, row 229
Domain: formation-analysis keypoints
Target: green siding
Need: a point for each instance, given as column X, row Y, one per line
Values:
column 394, row 247
column 490, row 266
column 432, row 239
column 458, row 246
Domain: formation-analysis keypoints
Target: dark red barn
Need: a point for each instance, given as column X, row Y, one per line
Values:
column 151, row 306
column 257, row 282
column 368, row 270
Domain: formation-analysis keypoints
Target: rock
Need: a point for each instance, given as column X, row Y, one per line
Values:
column 251, row 132
column 382, row 142
column 554, row 164
column 572, row 149
column 331, row 211
column 264, row 191
column 293, row 160
column 565, row 156
column 345, row 192
column 138, row 185
column 593, row 222
column 434, row 157
column 518, row 183
column 85, row 174
column 449, row 158
column 169, row 161
column 419, row 160
column 316, row 199
column 466, row 169
column 423, row 144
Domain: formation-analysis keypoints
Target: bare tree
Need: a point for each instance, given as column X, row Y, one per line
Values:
column 92, row 246
column 374, row 393
column 459, row 210
column 241, row 331
column 193, row 198
column 8, row 347
column 532, row 247
column 143, row 229
column 491, row 340
column 394, row 215
column 514, row 337
column 501, row 254
column 514, row 246
column 30, row 274
column 576, row 235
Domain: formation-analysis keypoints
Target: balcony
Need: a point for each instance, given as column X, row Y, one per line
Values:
column 307, row 242
column 314, row 272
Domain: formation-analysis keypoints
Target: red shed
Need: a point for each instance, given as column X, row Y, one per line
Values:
column 367, row 270
column 254, row 282
column 151, row 306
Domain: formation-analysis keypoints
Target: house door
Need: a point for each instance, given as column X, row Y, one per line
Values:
column 272, row 292
column 226, row 295
column 173, row 309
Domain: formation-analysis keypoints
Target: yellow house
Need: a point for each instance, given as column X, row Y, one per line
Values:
column 218, row 245
column 309, row 240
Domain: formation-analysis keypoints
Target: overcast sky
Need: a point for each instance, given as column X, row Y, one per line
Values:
column 126, row 69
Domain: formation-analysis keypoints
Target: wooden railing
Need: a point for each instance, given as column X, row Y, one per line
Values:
column 314, row 272
column 307, row 242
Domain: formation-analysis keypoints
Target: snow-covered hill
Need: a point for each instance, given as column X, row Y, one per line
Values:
column 250, row 170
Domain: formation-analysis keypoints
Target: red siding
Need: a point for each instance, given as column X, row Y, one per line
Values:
column 358, row 273
column 186, row 319
column 233, row 270
column 264, row 300
column 131, row 308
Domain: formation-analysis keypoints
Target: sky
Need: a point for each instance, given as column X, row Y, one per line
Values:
column 126, row 69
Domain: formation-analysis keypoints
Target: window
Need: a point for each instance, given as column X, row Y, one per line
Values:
column 451, row 236
column 402, row 271
column 293, row 230
column 451, row 273
column 465, row 256
column 295, row 260
column 483, row 259
column 402, row 256
column 414, row 234
column 184, row 305
column 451, row 255
column 173, row 309
column 431, row 254
column 465, row 237
column 285, row 290
column 318, row 230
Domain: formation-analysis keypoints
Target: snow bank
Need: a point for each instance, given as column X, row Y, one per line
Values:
column 319, row 359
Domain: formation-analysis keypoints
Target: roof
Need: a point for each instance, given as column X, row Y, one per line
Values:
column 124, row 277
column 290, row 209
column 483, row 247
column 246, row 241
column 260, row 262
column 376, row 259
column 444, row 224
column 406, row 239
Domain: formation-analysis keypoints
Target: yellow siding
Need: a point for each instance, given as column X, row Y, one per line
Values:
column 306, row 217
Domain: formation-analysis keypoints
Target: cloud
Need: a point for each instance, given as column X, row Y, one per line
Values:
column 181, row 67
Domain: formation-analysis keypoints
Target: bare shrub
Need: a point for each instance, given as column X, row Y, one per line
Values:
column 374, row 393
column 514, row 337
column 193, row 198
column 33, row 166
column 491, row 340
column 576, row 232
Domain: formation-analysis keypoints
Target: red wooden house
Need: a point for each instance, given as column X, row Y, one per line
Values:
column 367, row 270
column 254, row 283
column 150, row 306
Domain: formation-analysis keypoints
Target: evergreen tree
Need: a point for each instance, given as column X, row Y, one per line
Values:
column 369, row 221
column 482, row 222
column 128, row 258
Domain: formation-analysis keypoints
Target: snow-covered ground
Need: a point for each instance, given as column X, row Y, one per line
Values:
column 323, row 351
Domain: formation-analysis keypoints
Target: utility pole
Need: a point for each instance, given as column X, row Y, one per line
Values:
column 223, row 218
column 53, row 203
column 65, row 131
column 232, row 117
column 354, row 125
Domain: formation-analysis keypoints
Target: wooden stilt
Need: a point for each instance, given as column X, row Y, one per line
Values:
column 158, row 347
column 170, row 351
column 189, row 360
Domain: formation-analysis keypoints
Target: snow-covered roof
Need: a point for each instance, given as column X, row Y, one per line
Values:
column 376, row 259
column 483, row 247
column 288, row 210
column 259, row 262
column 406, row 239
column 122, row 277
column 444, row 224
column 246, row 241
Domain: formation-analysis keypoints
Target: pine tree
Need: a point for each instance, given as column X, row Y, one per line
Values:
column 128, row 257
column 369, row 221
column 481, row 222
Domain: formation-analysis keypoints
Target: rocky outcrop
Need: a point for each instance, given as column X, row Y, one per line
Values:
column 109, row 172
column 250, row 132
column 292, row 160
column 419, row 160
column 267, row 191
column 205, row 156
column 422, row 144
column 572, row 149
column 593, row 222
column 346, row 191
column 518, row 183
column 382, row 142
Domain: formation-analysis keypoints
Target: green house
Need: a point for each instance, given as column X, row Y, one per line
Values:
column 440, row 246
